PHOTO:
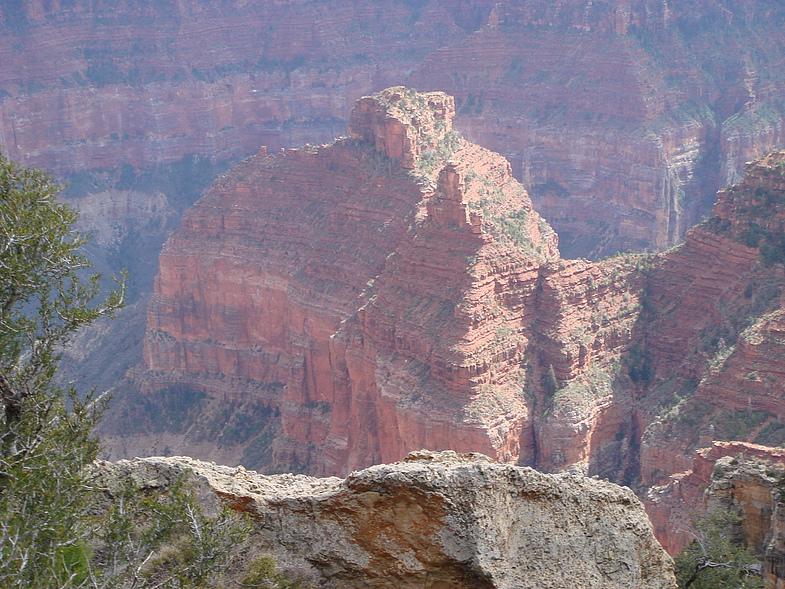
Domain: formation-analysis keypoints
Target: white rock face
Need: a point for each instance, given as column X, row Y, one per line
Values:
column 434, row 520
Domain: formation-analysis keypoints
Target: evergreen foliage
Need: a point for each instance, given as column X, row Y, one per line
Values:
column 715, row 559
column 45, row 441
column 53, row 532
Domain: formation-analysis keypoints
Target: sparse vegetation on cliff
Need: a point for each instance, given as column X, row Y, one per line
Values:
column 716, row 559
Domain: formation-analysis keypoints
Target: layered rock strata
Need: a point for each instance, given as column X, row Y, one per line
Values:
column 333, row 307
column 432, row 520
column 622, row 118
column 712, row 338
column 388, row 278
column 396, row 290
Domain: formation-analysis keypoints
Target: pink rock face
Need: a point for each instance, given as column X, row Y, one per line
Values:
column 621, row 118
column 607, row 111
column 397, row 291
column 375, row 295
column 89, row 85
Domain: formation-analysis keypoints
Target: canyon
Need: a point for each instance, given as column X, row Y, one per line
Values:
column 395, row 290
column 620, row 118
column 337, row 306
column 325, row 308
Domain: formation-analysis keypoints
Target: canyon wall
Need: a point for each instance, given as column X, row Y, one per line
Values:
column 621, row 118
column 91, row 85
column 732, row 477
column 712, row 336
column 396, row 290
column 370, row 293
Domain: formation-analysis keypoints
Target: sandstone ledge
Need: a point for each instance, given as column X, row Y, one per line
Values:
column 435, row 519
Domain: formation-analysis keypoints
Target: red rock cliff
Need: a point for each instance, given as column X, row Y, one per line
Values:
column 373, row 291
column 396, row 290
column 621, row 118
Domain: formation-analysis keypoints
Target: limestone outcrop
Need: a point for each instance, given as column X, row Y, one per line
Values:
column 432, row 520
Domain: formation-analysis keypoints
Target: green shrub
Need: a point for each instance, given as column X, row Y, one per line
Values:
column 263, row 574
column 717, row 559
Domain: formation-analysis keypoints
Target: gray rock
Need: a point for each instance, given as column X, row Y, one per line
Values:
column 433, row 520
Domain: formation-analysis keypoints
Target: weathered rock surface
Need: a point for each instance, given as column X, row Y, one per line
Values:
column 396, row 291
column 672, row 506
column 433, row 520
column 713, row 338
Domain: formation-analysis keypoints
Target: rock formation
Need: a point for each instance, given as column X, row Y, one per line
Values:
column 396, row 290
column 333, row 307
column 712, row 336
column 372, row 292
column 621, row 118
column 715, row 475
column 432, row 520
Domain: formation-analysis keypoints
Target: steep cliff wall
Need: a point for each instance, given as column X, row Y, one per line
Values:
column 713, row 333
column 733, row 477
column 621, row 118
column 90, row 85
column 372, row 293
column 432, row 520
column 396, row 290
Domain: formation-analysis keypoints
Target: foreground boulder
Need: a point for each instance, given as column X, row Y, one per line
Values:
column 432, row 520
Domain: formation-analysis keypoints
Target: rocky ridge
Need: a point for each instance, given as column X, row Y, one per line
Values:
column 433, row 520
